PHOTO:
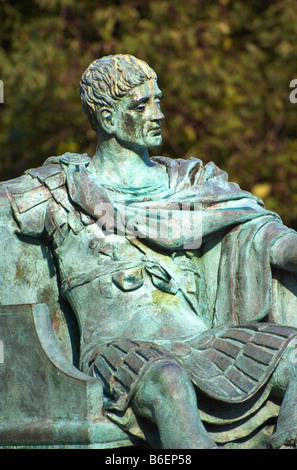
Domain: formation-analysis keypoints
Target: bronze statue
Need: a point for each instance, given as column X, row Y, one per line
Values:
column 169, row 270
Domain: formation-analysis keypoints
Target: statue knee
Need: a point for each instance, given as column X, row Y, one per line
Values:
column 170, row 377
column 165, row 383
column 166, row 387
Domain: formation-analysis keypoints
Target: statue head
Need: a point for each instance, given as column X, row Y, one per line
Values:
column 107, row 80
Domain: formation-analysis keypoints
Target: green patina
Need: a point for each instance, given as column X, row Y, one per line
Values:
column 176, row 284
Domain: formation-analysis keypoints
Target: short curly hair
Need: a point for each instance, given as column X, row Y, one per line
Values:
column 108, row 79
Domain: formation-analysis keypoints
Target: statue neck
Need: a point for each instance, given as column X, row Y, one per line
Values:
column 121, row 166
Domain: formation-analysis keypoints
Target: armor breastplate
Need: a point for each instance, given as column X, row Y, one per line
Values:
column 119, row 290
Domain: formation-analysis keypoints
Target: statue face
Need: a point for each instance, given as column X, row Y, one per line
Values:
column 138, row 119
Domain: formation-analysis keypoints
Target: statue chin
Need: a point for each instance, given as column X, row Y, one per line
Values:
column 155, row 141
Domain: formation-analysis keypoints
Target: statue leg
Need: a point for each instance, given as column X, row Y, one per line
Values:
column 167, row 397
column 284, row 382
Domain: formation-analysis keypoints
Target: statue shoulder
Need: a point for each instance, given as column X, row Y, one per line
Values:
column 39, row 198
column 38, row 185
column 77, row 159
column 29, row 195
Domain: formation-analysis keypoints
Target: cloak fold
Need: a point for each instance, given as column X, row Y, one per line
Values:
column 199, row 205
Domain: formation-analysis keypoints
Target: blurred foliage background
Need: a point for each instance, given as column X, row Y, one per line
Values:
column 224, row 66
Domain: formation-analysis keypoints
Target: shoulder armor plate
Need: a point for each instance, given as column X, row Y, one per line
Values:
column 75, row 159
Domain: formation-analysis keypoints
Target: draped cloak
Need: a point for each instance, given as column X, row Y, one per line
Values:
column 210, row 210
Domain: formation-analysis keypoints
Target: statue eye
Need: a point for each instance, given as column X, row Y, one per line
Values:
column 141, row 107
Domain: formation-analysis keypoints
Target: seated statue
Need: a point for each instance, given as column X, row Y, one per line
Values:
column 170, row 270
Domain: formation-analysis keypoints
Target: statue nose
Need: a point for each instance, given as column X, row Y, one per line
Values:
column 161, row 117
column 157, row 114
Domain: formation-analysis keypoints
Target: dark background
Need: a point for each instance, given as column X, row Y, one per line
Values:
column 224, row 67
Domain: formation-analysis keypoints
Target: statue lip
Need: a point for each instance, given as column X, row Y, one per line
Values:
column 156, row 129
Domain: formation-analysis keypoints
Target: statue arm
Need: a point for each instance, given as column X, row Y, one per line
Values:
column 283, row 253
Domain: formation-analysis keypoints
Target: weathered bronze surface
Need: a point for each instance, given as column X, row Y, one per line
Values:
column 170, row 288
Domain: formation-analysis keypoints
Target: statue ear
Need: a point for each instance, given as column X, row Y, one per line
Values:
column 106, row 119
